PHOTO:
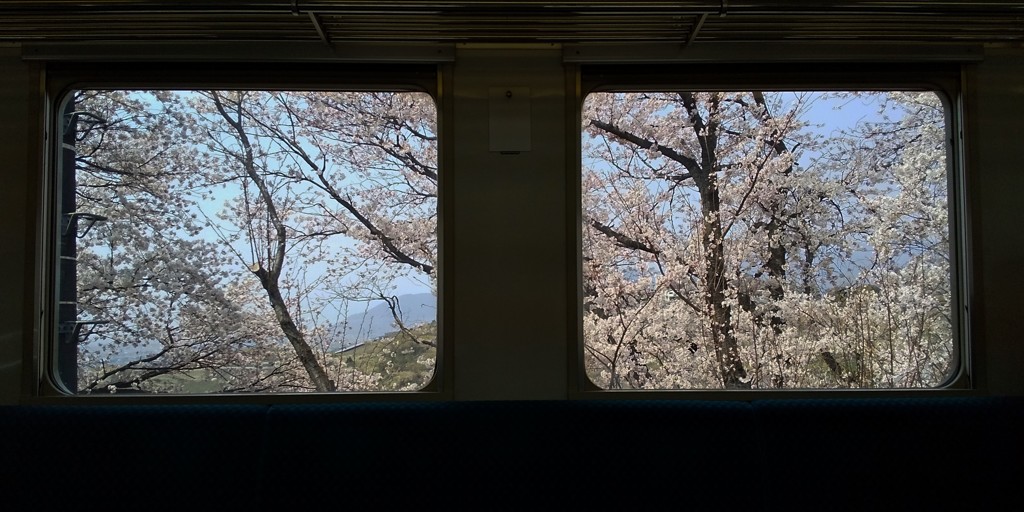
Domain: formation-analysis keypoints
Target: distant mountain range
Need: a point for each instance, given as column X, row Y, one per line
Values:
column 358, row 328
column 377, row 321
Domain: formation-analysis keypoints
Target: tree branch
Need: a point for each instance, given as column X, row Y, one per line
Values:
column 689, row 163
column 622, row 240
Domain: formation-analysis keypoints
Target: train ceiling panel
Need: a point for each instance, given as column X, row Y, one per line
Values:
column 523, row 22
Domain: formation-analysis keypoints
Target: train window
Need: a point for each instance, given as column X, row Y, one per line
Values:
column 767, row 239
column 215, row 241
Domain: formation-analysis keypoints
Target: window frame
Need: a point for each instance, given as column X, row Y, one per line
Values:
column 945, row 79
column 62, row 78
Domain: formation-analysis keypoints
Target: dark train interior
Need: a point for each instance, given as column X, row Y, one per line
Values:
column 706, row 254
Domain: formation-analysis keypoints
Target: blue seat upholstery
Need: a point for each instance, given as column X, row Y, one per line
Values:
column 898, row 454
column 179, row 456
column 834, row 454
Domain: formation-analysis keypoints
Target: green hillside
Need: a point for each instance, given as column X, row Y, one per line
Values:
column 397, row 357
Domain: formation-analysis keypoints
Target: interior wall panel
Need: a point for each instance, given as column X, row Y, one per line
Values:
column 16, row 90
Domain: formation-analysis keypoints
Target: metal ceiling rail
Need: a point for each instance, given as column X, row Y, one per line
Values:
column 407, row 6
column 431, row 21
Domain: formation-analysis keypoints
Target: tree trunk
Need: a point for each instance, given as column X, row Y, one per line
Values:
column 305, row 354
column 727, row 353
column 705, row 177
column 269, row 277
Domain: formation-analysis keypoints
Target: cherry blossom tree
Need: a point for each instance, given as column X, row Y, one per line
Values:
column 730, row 242
column 237, row 219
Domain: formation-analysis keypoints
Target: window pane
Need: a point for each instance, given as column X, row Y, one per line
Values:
column 222, row 241
column 766, row 240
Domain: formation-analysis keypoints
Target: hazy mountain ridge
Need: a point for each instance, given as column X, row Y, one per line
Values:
column 356, row 329
column 377, row 321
